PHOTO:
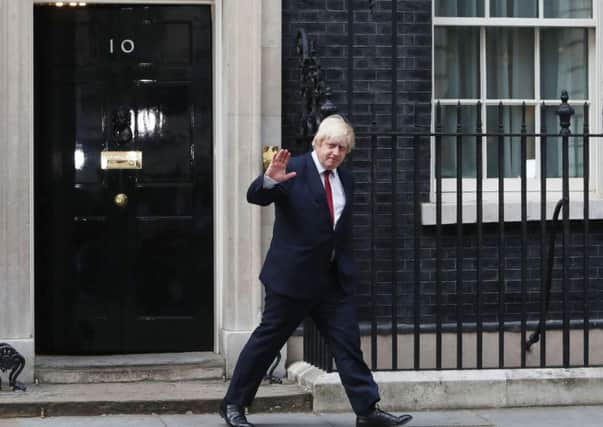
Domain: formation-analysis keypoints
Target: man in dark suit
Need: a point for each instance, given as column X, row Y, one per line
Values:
column 309, row 271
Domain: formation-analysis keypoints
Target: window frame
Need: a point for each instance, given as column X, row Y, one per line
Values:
column 512, row 185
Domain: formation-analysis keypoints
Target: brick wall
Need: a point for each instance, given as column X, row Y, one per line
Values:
column 326, row 22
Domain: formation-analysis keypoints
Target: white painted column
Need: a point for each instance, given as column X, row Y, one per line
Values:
column 271, row 110
column 16, row 179
column 238, row 160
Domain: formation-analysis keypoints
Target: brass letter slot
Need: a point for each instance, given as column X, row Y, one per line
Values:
column 121, row 160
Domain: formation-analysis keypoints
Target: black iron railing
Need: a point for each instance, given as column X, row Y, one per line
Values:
column 472, row 276
column 11, row 360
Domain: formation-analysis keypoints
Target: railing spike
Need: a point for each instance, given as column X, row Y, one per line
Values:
column 565, row 111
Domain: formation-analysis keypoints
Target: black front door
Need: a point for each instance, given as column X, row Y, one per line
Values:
column 123, row 187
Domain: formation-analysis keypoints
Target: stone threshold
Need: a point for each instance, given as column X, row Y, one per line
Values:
column 464, row 389
column 182, row 397
column 129, row 368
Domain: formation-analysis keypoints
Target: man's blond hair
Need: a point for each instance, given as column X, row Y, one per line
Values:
column 335, row 128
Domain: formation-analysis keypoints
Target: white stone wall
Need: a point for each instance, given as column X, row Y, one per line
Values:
column 16, row 179
column 238, row 158
column 252, row 94
column 271, row 108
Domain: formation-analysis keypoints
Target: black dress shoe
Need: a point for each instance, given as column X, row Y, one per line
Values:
column 234, row 415
column 379, row 418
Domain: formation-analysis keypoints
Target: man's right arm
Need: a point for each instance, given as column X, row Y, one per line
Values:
column 269, row 183
column 265, row 190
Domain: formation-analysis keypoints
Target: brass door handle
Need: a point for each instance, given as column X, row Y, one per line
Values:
column 121, row 200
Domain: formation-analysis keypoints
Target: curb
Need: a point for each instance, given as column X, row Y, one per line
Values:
column 467, row 389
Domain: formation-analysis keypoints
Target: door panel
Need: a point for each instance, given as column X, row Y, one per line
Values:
column 132, row 277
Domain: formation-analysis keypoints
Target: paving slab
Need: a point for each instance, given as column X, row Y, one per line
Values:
column 422, row 419
column 260, row 420
column 511, row 417
column 464, row 419
column 567, row 416
column 582, row 416
column 100, row 421
column 208, row 420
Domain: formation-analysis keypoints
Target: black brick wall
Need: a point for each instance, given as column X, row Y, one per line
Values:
column 326, row 22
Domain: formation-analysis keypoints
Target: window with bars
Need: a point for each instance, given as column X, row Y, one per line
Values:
column 511, row 52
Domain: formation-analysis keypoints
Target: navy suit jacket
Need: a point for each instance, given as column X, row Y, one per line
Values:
column 298, row 263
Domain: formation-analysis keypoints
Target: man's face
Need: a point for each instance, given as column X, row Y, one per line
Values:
column 331, row 152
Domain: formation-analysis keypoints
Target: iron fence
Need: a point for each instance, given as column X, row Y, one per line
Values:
column 427, row 292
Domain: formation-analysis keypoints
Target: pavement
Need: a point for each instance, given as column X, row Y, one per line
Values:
column 574, row 416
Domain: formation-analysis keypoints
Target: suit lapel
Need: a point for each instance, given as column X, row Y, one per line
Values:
column 345, row 181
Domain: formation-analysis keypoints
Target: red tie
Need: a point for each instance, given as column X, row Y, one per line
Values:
column 329, row 193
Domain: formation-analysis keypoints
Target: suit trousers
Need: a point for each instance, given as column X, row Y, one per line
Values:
column 335, row 316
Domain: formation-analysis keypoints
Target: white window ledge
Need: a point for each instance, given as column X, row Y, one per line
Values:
column 512, row 211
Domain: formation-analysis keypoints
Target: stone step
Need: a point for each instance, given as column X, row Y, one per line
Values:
column 152, row 397
column 129, row 368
